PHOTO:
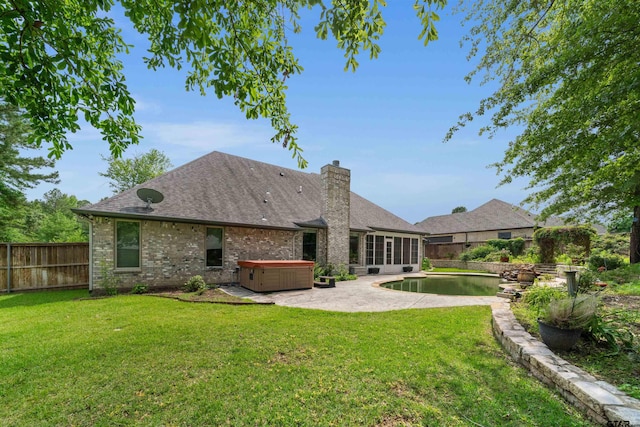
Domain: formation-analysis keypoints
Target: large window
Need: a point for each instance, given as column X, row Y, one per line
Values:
column 379, row 251
column 375, row 250
column 127, row 244
column 213, row 246
column 397, row 250
column 309, row 245
column 406, row 251
column 354, row 249
column 414, row 251
column 441, row 239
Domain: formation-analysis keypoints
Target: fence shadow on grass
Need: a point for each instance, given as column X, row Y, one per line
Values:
column 27, row 299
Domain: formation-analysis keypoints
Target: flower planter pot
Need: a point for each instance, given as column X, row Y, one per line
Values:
column 557, row 338
column 373, row 270
column 407, row 268
column 504, row 259
column 526, row 276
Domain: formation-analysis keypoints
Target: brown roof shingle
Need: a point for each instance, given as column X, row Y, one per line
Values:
column 493, row 215
column 220, row 188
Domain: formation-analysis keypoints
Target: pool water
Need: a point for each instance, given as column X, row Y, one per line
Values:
column 448, row 285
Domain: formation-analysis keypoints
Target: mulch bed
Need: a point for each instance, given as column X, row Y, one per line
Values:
column 211, row 296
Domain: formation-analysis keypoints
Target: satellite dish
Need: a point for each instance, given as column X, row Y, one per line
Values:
column 149, row 195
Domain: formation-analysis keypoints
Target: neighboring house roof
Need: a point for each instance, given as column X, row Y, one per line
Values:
column 493, row 215
column 219, row 188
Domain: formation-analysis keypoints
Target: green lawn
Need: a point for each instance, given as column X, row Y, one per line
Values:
column 143, row 360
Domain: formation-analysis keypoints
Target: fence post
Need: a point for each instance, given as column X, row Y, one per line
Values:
column 8, row 267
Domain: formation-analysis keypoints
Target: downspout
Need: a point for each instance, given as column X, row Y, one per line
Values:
column 8, row 267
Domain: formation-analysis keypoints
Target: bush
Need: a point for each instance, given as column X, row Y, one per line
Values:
column 194, row 284
column 477, row 253
column 341, row 273
column 629, row 273
column 605, row 259
column 563, row 259
column 531, row 256
column 514, row 246
column 140, row 288
column 426, row 264
column 613, row 330
column 499, row 243
column 614, row 243
column 586, row 280
column 108, row 281
column 538, row 297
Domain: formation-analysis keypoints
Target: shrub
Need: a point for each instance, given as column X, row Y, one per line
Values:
column 140, row 288
column 496, row 256
column 614, row 243
column 605, row 259
column 538, row 297
column 426, row 264
column 629, row 273
column 531, row 256
column 514, row 246
column 499, row 243
column 563, row 259
column 586, row 280
column 194, row 284
column 479, row 252
column 613, row 330
column 108, row 281
column 341, row 273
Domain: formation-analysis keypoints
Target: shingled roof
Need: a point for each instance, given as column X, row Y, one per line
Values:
column 493, row 215
column 223, row 189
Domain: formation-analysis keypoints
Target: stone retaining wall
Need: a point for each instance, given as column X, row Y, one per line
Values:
column 491, row 267
column 601, row 401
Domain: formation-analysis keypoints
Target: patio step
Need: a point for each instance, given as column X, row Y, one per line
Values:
column 546, row 269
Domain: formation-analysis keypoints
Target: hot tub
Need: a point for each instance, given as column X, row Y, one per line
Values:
column 272, row 275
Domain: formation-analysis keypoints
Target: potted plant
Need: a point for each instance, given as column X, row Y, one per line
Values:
column 504, row 255
column 563, row 320
column 407, row 268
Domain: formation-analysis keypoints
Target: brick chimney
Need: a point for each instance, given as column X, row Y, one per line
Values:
column 336, row 198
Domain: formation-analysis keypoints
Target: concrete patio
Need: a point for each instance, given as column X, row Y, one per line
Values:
column 363, row 294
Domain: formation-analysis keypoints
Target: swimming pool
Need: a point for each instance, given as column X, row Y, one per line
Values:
column 450, row 284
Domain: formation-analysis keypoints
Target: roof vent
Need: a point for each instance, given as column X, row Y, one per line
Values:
column 336, row 163
column 281, row 173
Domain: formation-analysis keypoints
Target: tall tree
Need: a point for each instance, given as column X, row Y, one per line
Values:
column 60, row 58
column 17, row 172
column 458, row 209
column 127, row 173
column 568, row 76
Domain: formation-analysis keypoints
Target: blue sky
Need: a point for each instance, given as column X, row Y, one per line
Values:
column 385, row 122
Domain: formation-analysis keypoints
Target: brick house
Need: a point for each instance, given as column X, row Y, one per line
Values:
column 220, row 209
column 449, row 235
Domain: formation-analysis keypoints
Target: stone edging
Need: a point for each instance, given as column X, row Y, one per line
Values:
column 601, row 401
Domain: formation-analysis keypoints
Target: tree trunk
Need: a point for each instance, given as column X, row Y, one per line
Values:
column 634, row 252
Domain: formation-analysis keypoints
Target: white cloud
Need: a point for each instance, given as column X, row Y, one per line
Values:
column 203, row 136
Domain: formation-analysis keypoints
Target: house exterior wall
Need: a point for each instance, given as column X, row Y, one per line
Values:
column 483, row 236
column 336, row 199
column 172, row 252
column 462, row 241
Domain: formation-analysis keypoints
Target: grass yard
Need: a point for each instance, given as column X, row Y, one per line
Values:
column 142, row 360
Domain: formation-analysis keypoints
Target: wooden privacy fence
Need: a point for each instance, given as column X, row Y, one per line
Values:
column 32, row 266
